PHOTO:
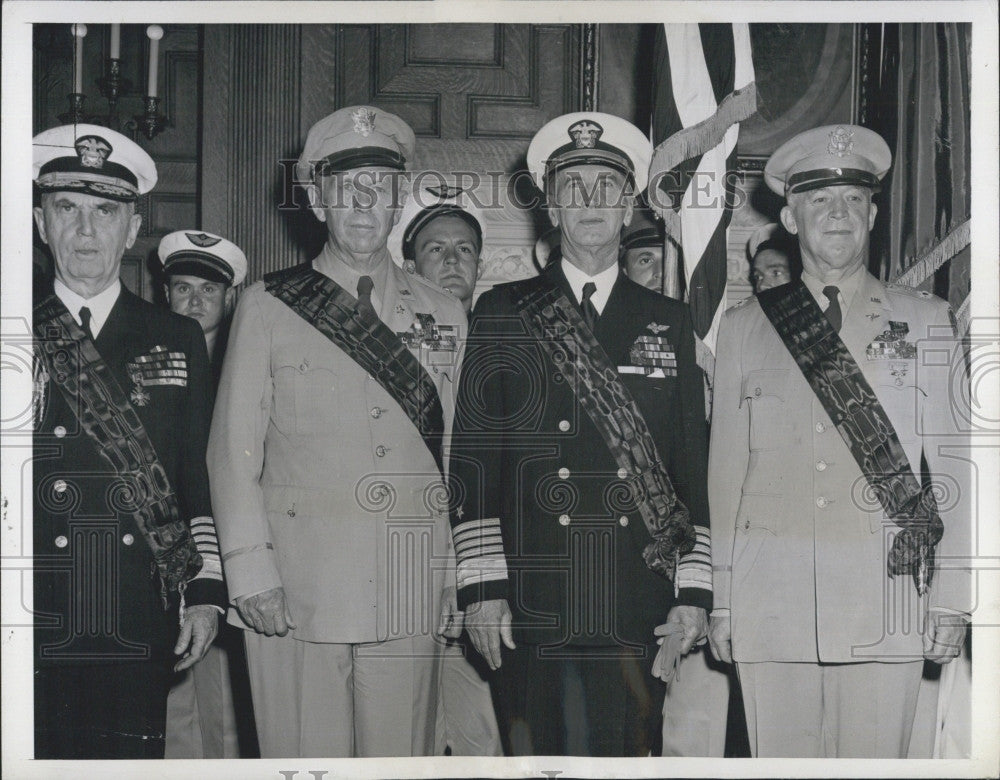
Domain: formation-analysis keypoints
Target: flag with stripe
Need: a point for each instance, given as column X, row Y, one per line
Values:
column 703, row 87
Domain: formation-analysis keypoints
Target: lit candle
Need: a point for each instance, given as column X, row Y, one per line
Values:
column 79, row 33
column 116, row 41
column 154, row 32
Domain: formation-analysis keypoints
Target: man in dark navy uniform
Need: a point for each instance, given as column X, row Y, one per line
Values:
column 123, row 533
column 578, row 466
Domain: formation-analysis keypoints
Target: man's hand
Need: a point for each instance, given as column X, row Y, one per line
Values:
column 693, row 620
column 488, row 622
column 267, row 612
column 720, row 637
column 450, row 625
column 944, row 637
column 201, row 624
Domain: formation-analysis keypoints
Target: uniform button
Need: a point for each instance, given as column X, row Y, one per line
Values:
column 376, row 412
column 61, row 541
column 59, row 431
column 821, row 465
column 821, row 502
column 756, row 392
column 623, row 521
column 564, row 425
column 381, row 451
column 746, row 524
column 820, row 427
column 563, row 519
column 622, row 474
column 59, row 486
column 128, row 539
column 564, row 473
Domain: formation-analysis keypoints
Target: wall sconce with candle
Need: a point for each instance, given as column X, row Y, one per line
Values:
column 149, row 123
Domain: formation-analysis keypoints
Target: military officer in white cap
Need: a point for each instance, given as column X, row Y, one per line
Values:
column 440, row 236
column 836, row 572
column 122, row 401
column 579, row 452
column 201, row 272
column 326, row 458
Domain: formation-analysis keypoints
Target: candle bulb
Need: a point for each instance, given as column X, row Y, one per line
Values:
column 116, row 41
column 154, row 32
column 79, row 32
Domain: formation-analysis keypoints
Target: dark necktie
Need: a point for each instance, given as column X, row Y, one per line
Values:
column 85, row 322
column 365, row 308
column 589, row 312
column 833, row 312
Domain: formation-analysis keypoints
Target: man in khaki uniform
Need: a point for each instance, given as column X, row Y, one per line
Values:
column 833, row 580
column 325, row 460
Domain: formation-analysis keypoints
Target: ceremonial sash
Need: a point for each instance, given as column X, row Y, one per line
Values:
column 554, row 321
column 836, row 379
column 73, row 363
column 332, row 310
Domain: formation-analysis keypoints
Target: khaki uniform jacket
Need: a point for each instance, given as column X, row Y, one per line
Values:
column 799, row 542
column 323, row 484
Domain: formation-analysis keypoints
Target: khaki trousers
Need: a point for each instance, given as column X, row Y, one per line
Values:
column 332, row 700
column 470, row 723
column 696, row 707
column 805, row 710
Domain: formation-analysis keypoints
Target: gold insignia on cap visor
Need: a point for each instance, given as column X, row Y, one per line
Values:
column 92, row 151
column 364, row 122
column 585, row 134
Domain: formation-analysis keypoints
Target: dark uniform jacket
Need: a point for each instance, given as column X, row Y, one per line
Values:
column 532, row 471
column 96, row 590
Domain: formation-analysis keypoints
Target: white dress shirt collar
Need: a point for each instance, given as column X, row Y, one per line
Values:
column 100, row 305
column 604, row 281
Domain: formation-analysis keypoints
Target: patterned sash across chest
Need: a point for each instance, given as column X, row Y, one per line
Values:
column 142, row 488
column 836, row 379
column 558, row 326
column 330, row 309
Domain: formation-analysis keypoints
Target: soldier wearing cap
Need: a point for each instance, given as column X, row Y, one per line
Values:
column 123, row 531
column 642, row 250
column 580, row 518
column 770, row 251
column 326, row 458
column 836, row 573
column 201, row 272
column 440, row 236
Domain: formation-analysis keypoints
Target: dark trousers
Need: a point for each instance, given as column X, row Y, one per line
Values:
column 580, row 701
column 101, row 711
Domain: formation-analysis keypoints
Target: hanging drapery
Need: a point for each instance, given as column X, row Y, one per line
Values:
column 922, row 110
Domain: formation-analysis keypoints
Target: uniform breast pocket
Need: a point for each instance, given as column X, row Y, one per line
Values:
column 765, row 391
column 306, row 397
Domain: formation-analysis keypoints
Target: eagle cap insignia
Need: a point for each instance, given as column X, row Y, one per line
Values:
column 657, row 328
column 841, row 141
column 202, row 239
column 585, row 133
column 364, row 121
column 92, row 151
column 445, row 191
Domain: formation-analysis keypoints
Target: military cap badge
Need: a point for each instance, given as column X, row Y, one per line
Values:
column 92, row 151
column 445, row 191
column 841, row 142
column 364, row 121
column 585, row 134
column 202, row 239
